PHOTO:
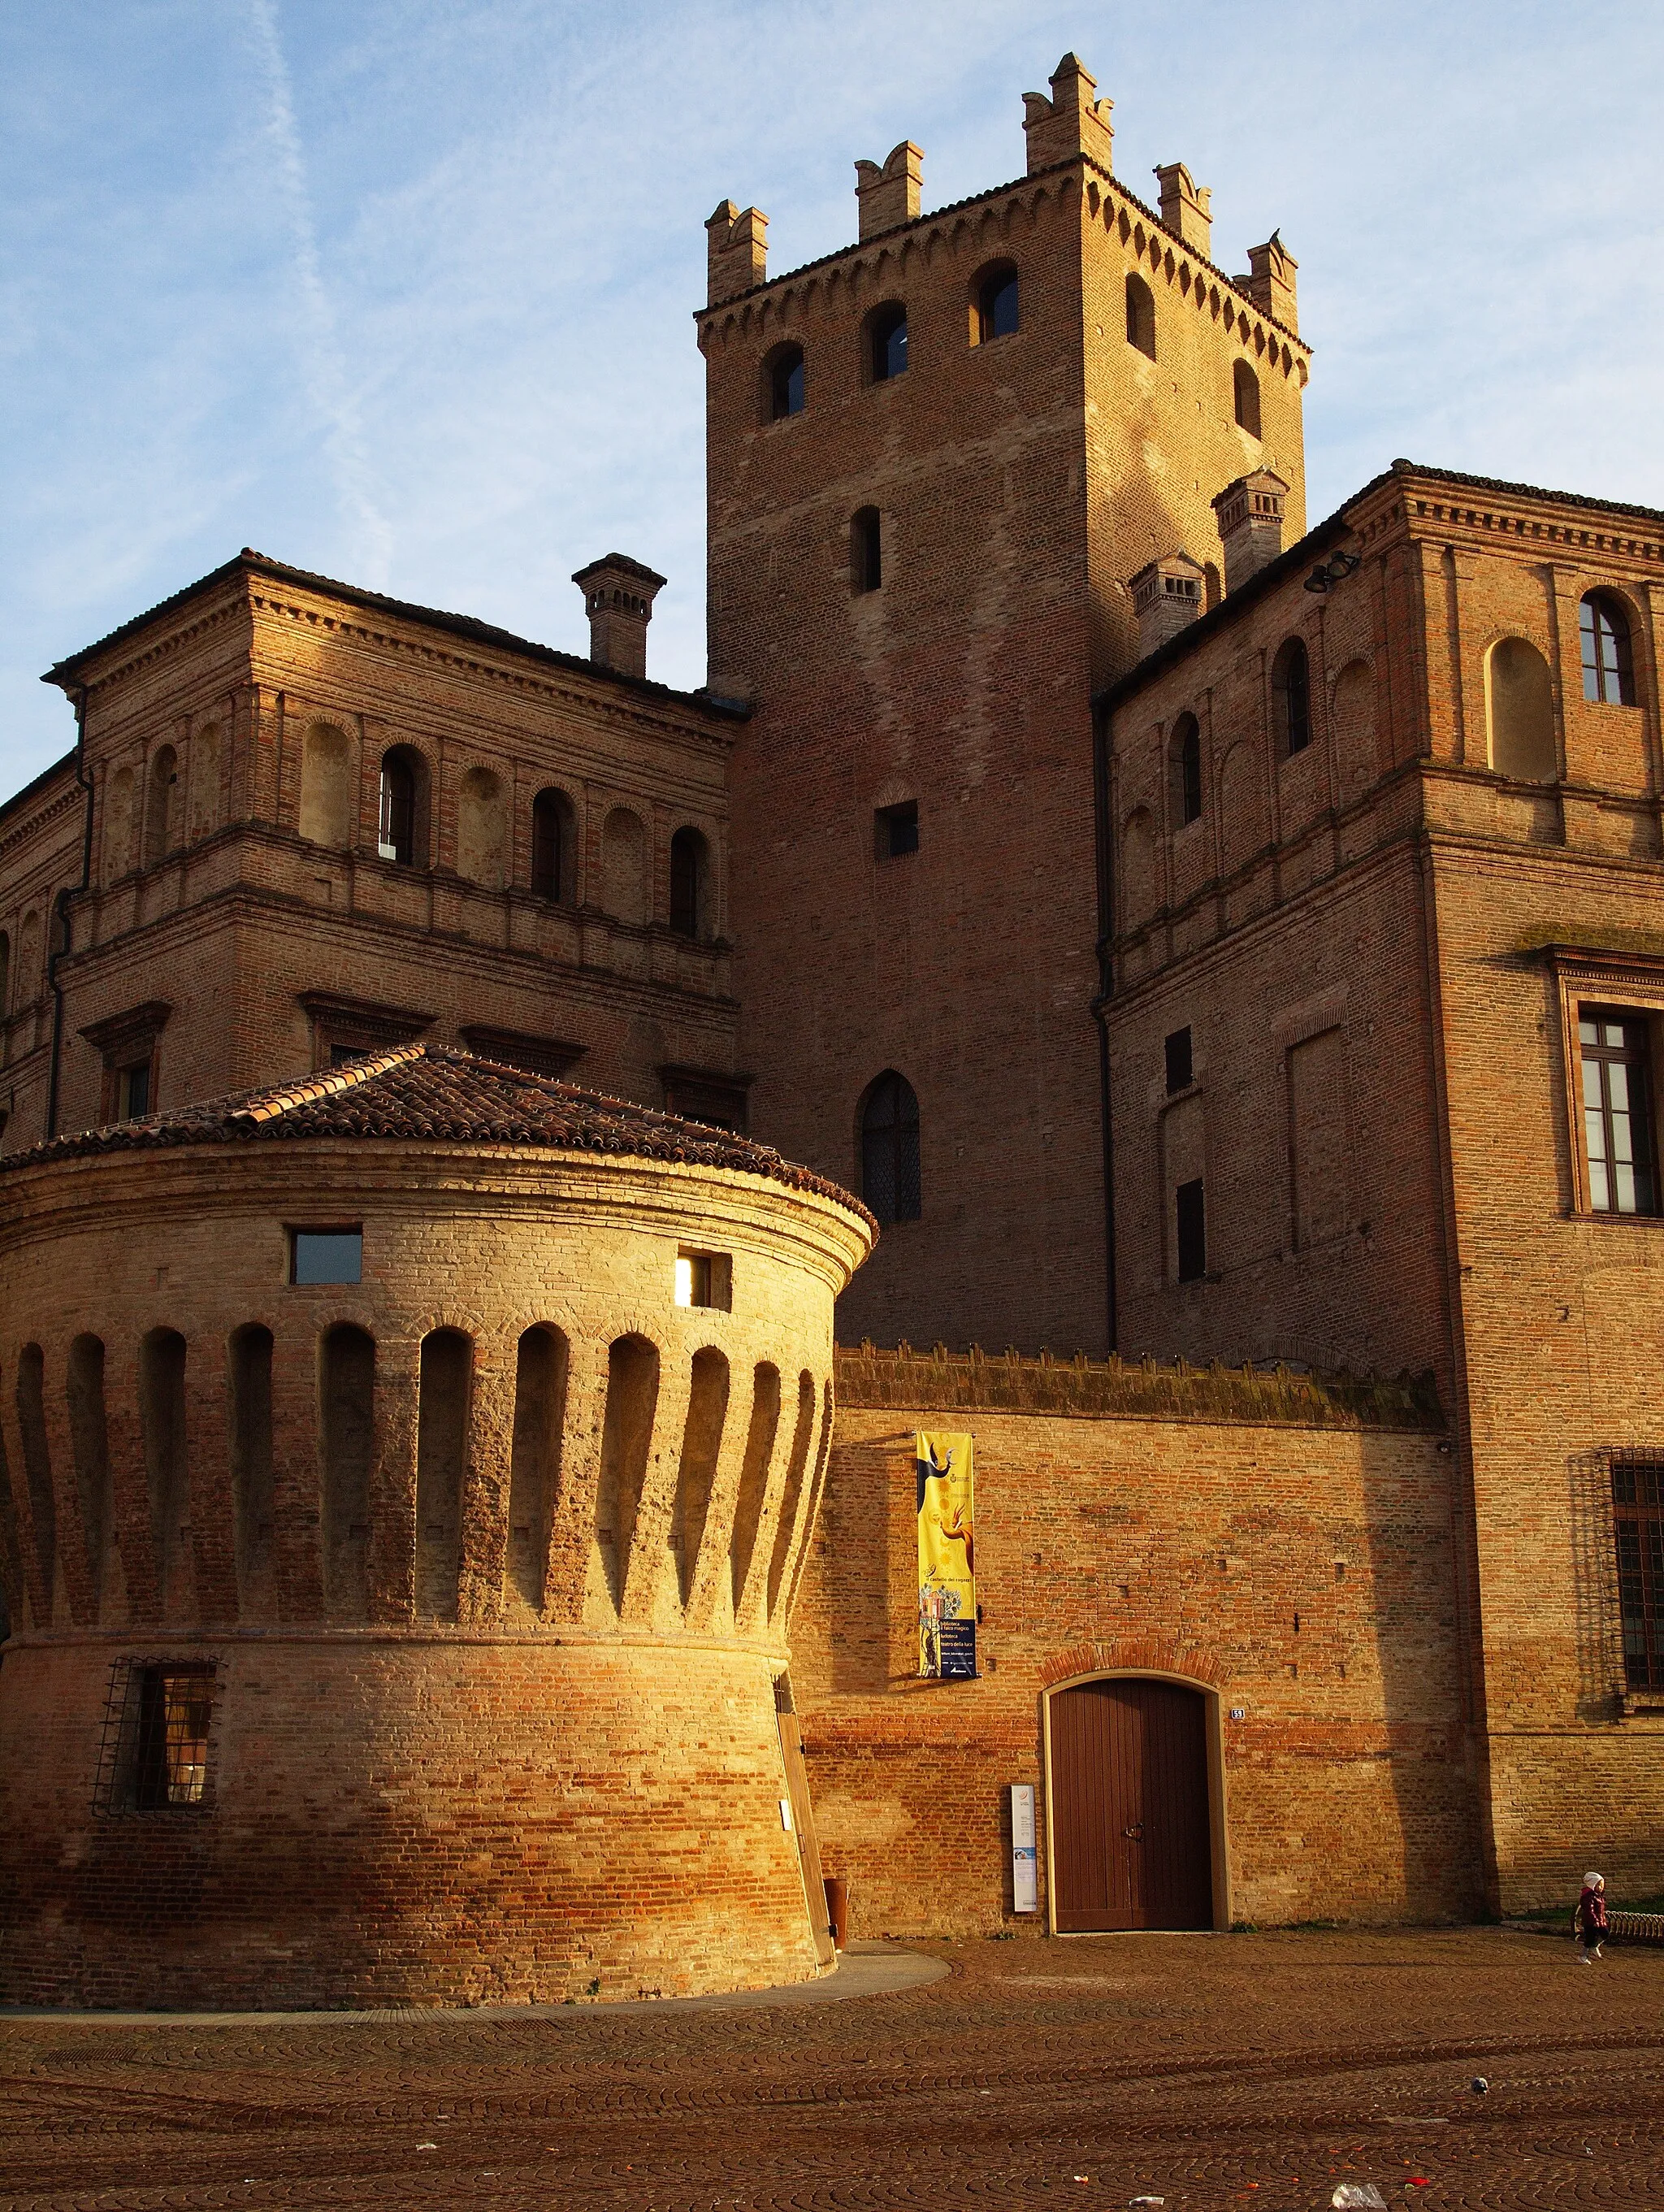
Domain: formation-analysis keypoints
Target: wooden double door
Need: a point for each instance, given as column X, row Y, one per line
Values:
column 1132, row 1834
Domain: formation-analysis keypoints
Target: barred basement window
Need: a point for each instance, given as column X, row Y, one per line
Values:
column 1618, row 1112
column 1637, row 1498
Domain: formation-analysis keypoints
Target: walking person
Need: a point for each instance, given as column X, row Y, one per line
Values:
column 1590, row 1918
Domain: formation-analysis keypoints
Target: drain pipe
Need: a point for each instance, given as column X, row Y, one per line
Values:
column 60, row 944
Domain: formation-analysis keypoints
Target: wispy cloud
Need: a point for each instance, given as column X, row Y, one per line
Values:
column 318, row 344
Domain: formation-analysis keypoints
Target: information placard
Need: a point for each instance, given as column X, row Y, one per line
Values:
column 1025, row 1881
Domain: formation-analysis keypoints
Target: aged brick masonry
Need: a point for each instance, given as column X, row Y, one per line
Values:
column 1198, row 940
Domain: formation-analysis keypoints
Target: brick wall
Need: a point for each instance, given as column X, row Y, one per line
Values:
column 1139, row 1520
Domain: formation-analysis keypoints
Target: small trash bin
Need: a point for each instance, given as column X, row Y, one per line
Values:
column 837, row 1909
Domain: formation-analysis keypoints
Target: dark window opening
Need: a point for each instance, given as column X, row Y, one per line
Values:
column 887, row 338
column 704, row 1279
column 343, row 1055
column 554, row 846
column 326, row 1255
column 867, row 563
column 1184, row 761
column 396, row 840
column 1245, row 394
column 1179, row 1063
column 688, row 870
column 1141, row 316
column 896, row 830
column 889, row 1149
column 1618, row 1112
column 1608, row 660
column 786, row 383
column 996, row 305
column 170, row 1761
column 1192, row 1224
column 133, row 1091
column 1290, row 690
column 1637, row 1497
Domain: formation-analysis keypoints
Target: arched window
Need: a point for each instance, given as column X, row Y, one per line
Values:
column 160, row 806
column 867, row 563
column 886, row 342
column 690, row 870
column 1184, row 772
column 1608, row 660
column 1245, row 392
column 1141, row 316
column 890, row 1149
column 1291, row 695
column 401, row 790
column 1520, row 711
column 782, row 383
column 994, row 303
column 555, row 846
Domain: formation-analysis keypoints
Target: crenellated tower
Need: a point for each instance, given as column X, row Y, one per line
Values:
column 937, row 461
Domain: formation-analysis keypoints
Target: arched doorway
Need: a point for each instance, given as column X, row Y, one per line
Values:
column 1132, row 1830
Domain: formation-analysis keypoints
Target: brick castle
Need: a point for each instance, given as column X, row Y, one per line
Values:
column 1221, row 954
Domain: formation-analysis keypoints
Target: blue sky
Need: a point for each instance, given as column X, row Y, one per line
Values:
column 401, row 290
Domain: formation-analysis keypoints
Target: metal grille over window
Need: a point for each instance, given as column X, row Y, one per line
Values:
column 889, row 1149
column 1618, row 1122
column 1637, row 1494
column 153, row 1755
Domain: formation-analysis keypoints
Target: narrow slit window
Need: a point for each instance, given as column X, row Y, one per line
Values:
column 1618, row 1112
column 866, row 560
column 1180, row 1068
column 326, row 1255
column 1192, row 1228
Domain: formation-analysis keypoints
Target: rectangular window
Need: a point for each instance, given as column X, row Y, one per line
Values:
column 170, row 1761
column 1618, row 1113
column 1192, row 1225
column 133, row 1092
column 1180, row 1066
column 1637, row 1497
column 896, row 830
column 704, row 1279
column 326, row 1255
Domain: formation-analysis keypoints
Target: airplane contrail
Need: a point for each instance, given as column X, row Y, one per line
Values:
column 319, row 348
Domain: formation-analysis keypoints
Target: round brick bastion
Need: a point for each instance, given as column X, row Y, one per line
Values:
column 407, row 1473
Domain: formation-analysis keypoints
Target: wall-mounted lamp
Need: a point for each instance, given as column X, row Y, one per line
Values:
column 1328, row 573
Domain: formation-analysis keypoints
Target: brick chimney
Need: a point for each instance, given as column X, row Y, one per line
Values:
column 736, row 252
column 1185, row 208
column 888, row 198
column 1167, row 596
column 1250, row 513
column 618, row 595
column 1270, row 281
column 1073, row 121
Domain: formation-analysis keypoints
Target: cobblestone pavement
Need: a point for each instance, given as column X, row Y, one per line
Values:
column 1235, row 2071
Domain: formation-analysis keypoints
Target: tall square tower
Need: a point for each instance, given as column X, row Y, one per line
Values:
column 936, row 460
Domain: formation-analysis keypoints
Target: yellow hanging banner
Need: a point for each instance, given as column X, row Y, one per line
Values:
column 947, row 1555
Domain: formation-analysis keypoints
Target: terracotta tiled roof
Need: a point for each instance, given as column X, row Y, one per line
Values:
column 433, row 1094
